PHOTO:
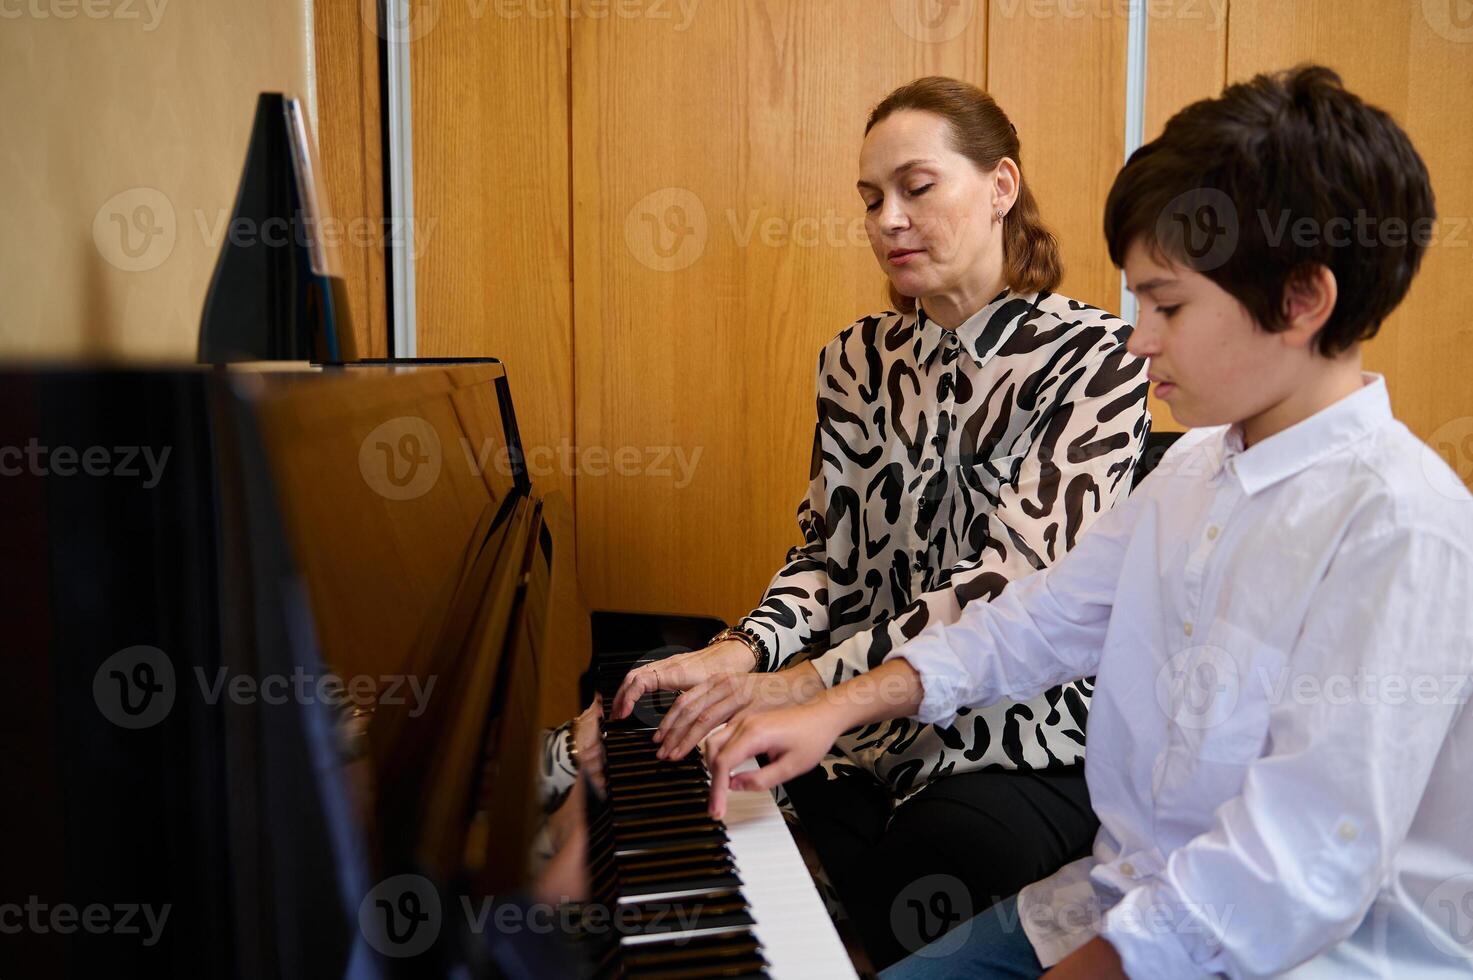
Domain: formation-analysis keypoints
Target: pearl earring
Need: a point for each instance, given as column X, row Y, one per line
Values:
column 999, row 214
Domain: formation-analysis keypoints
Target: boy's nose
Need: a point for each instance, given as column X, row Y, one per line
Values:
column 1143, row 342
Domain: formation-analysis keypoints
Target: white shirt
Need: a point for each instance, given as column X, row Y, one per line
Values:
column 1277, row 748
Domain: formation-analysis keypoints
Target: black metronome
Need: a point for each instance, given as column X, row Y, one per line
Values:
column 276, row 294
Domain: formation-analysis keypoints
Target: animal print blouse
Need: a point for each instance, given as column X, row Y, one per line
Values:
column 945, row 464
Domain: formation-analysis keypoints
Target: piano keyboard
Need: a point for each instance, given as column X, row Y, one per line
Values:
column 697, row 897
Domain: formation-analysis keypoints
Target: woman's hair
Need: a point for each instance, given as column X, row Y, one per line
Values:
column 981, row 132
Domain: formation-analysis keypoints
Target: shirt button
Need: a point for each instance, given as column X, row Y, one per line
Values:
column 1128, row 869
column 1186, row 628
column 1347, row 831
column 1212, row 533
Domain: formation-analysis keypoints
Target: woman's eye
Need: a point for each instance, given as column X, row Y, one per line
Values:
column 917, row 192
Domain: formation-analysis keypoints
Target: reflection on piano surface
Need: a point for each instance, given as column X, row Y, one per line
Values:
column 372, row 526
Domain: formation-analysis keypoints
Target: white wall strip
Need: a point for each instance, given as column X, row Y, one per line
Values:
column 1135, row 109
column 397, row 23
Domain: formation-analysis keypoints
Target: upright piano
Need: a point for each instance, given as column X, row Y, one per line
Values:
column 288, row 644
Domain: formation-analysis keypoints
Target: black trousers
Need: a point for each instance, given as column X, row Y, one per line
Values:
column 952, row 850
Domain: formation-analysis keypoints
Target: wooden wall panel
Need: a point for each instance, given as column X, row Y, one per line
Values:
column 1059, row 72
column 1186, row 60
column 350, row 144
column 718, row 244
column 1418, row 65
column 490, row 112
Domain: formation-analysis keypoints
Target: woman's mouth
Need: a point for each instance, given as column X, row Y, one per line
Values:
column 900, row 256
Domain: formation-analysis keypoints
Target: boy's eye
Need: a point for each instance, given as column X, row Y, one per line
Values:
column 1168, row 311
column 873, row 205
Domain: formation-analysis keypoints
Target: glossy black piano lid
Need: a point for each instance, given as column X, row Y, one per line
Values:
column 137, row 790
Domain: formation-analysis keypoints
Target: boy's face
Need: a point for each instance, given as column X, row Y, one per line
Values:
column 1209, row 361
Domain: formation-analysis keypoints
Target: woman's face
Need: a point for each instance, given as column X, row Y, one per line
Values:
column 930, row 213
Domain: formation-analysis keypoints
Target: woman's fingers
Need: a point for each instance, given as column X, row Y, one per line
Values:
column 686, row 707
column 717, row 711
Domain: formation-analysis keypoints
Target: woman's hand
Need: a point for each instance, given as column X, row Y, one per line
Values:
column 682, row 672
column 727, row 696
column 794, row 739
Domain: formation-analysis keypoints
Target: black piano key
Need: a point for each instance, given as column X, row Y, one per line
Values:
column 718, row 910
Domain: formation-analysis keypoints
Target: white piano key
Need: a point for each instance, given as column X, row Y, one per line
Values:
column 792, row 923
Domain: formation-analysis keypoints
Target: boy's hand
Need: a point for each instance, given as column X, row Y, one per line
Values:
column 717, row 701
column 795, row 739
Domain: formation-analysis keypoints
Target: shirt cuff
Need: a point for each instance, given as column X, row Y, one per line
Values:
column 1146, row 928
column 944, row 678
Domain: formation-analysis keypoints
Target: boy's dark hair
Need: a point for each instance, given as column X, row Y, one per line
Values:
column 1275, row 176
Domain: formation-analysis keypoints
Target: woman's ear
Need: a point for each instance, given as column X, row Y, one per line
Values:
column 1309, row 299
column 1006, row 180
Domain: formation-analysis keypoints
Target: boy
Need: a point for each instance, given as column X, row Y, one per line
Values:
column 1280, row 617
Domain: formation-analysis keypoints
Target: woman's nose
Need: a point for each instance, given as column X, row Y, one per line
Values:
column 893, row 217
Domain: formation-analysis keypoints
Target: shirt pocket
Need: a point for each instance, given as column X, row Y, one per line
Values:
column 1217, row 697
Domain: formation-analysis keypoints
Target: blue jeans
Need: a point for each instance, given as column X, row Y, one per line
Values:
column 990, row 945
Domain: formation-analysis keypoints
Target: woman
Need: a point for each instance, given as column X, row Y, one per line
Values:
column 964, row 441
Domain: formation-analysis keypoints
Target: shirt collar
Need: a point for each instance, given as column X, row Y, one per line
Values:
column 982, row 333
column 1305, row 443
